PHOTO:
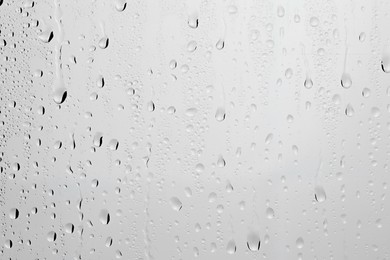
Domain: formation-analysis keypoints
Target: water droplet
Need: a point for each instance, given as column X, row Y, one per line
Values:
column 100, row 81
column 59, row 95
column 269, row 138
column 51, row 236
column 385, row 63
column 220, row 44
column 346, row 81
column 104, row 217
column 221, row 162
column 299, row 243
column 120, row 5
column 375, row 112
column 220, row 114
column 308, row 83
column 349, row 111
column 103, row 42
column 319, row 194
column 253, row 242
column 366, row 92
column 176, row 204
column 151, row 107
column 173, row 64
column 98, row 139
column 269, row 212
column 14, row 213
column 231, row 247
column 46, row 36
column 193, row 21
column 192, row 46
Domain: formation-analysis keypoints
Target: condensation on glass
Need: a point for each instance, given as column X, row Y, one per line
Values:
column 213, row 129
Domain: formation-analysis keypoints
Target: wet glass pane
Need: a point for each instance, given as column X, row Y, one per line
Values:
column 194, row 129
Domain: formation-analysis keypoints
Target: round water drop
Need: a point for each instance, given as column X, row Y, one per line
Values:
column 253, row 242
column 269, row 212
column 103, row 42
column 346, row 81
column 14, row 213
column 220, row 114
column 308, row 83
column 69, row 228
column 113, row 144
column 231, row 247
column 192, row 46
column 221, row 162
column 173, row 64
column 8, row 243
column 104, row 217
column 220, row 44
column 176, row 204
column 299, row 243
column 51, row 236
column 59, row 95
column 120, row 5
column 319, row 194
column 349, row 111
column 375, row 112
column 193, row 21
column 366, row 92
column 46, row 36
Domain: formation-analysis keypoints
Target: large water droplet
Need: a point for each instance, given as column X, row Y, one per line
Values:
column 253, row 241
column 46, row 36
column 59, row 95
column 14, row 213
column 346, row 81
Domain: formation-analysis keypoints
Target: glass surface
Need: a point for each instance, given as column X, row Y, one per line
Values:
column 177, row 130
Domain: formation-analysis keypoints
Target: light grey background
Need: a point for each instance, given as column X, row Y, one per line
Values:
column 134, row 129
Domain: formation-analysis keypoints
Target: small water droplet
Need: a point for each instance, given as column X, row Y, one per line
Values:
column 220, row 44
column 103, row 42
column 220, row 114
column 104, row 217
column 176, row 204
column 349, row 111
column 319, row 194
column 308, row 83
column 231, row 247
